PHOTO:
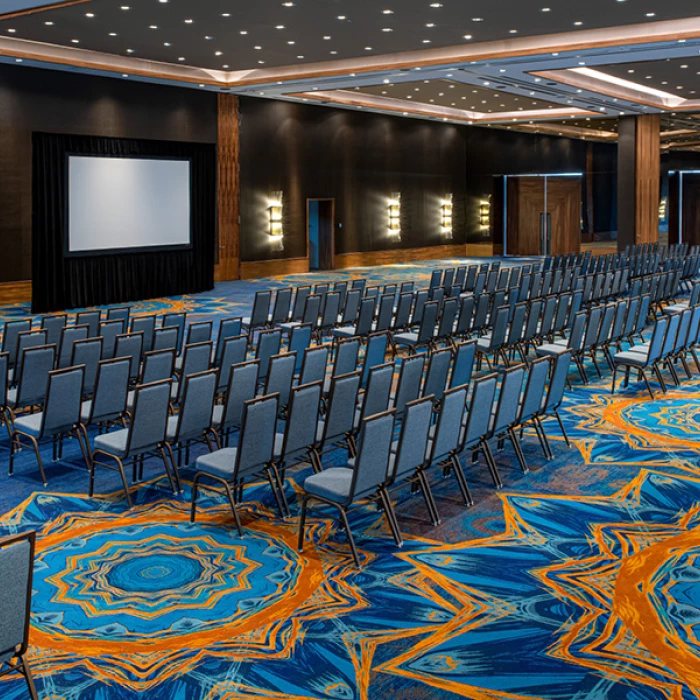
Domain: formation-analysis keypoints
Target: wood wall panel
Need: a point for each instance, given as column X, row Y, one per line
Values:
column 525, row 205
column 15, row 292
column 564, row 205
column 274, row 268
column 691, row 209
column 391, row 257
column 228, row 192
column 647, row 178
column 480, row 250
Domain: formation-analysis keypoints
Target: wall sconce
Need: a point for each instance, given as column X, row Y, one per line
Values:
column 395, row 215
column 663, row 208
column 275, row 213
column 485, row 213
column 447, row 214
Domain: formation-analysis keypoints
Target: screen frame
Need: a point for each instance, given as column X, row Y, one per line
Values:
column 68, row 253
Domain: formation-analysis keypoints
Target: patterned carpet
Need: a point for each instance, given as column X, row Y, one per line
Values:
column 580, row 580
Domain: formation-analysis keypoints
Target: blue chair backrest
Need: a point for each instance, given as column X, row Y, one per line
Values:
column 166, row 338
column 258, row 431
column 195, row 415
column 283, row 305
column 466, row 314
column 199, row 332
column 10, row 336
column 482, row 311
column 281, row 375
column 150, row 418
column 403, row 310
column 422, row 298
column 158, row 365
column 378, row 394
column 427, row 330
column 342, row 289
column 438, row 371
column 34, row 374
column 53, row 325
column 410, row 379
column 234, row 353
column 331, row 310
column 196, row 358
column 340, row 416
column 375, row 353
column 147, row 326
column 119, row 313
column 413, row 441
column 449, row 313
column 302, row 423
column 4, row 364
column 69, row 336
column 463, row 364
column 447, row 433
column 313, row 367
column 261, row 308
column 88, row 353
column 386, row 312
column 109, row 330
column 92, row 319
column 176, row 320
column 269, row 344
column 111, row 391
column 671, row 333
column 479, row 415
column 25, row 341
column 351, row 306
column 242, row 387
column 435, row 278
column 130, row 346
column 365, row 317
column 302, row 294
column 374, row 448
column 535, row 387
column 509, row 399
column 300, row 341
column 557, row 384
column 228, row 328
column 312, row 309
column 346, row 356
column 63, row 400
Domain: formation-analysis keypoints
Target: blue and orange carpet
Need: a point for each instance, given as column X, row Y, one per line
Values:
column 580, row 581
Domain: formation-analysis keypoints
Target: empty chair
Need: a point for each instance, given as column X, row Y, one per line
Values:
column 145, row 436
column 16, row 574
column 300, row 297
column 130, row 346
column 403, row 312
column 681, row 306
column 269, row 345
column 423, row 338
column 409, row 385
column 422, row 297
column 199, row 332
column 375, row 353
column 464, row 319
column 25, row 341
column 329, row 319
column 259, row 317
column 282, row 307
column 119, row 313
column 242, row 386
column 196, row 360
column 359, row 284
column 157, row 366
column 251, row 458
column 572, row 344
column 109, row 330
column 300, row 341
column 495, row 342
column 341, row 487
column 87, row 353
column 347, row 353
column 310, row 316
column 377, row 396
column 59, row 418
column 435, row 279
column 146, row 325
column 175, row 320
column 92, row 319
column 532, row 401
column 351, row 307
column 69, row 336
column 10, row 338
column 166, row 338
column 193, row 422
column 53, row 325
column 385, row 314
column 280, row 378
column 108, row 404
column 228, row 328
column 313, row 368
column 463, row 363
column 342, row 288
column 235, row 351
column 363, row 327
column 438, row 371
column 447, row 320
column 555, row 395
column 33, row 376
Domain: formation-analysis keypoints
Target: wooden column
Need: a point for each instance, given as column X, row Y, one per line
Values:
column 228, row 190
column 639, row 179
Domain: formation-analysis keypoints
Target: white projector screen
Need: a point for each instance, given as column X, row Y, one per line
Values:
column 117, row 204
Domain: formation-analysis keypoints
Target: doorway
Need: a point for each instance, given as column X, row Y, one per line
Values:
column 543, row 214
column 684, row 207
column 320, row 226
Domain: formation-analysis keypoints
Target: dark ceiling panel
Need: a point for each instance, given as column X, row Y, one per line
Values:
column 312, row 30
column 679, row 76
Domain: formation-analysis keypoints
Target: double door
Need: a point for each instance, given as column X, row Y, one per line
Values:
column 543, row 215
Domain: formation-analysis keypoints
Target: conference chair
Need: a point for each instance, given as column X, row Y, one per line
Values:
column 166, row 338
column 282, row 307
column 145, row 436
column 374, row 400
column 555, row 394
column 342, row 288
column 572, row 345
column 494, row 343
column 436, row 379
column 409, row 384
column 295, row 444
column 53, row 325
column 147, row 326
column 691, row 341
column 199, row 332
column 329, row 315
column 193, row 422
column 463, row 363
column 16, row 576
column 68, row 337
column 108, row 331
column 131, row 347
column 120, row 313
column 253, row 457
column 228, row 328
column 299, row 342
column 435, row 279
column 312, row 310
column 403, row 313
column 363, row 327
column 446, row 323
column 269, row 345
column 425, row 335
column 351, row 307
column 25, row 341
column 259, row 317
column 444, row 442
column 241, row 387
column 375, row 353
column 87, row 353
column 10, row 338
column 385, row 314
column 91, row 319
column 532, row 400
column 347, row 356
column 280, row 378
column 58, row 419
column 176, row 320
column 407, row 457
column 313, row 367
column 300, row 297
column 30, row 389
column 235, row 352
column 422, row 297
column 359, row 284
column 682, row 305
column 108, row 405
column 343, row 487
column 462, row 328
column 196, row 360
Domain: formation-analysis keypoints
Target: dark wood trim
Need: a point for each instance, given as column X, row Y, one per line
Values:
column 228, row 189
column 321, row 199
column 258, row 269
column 647, row 177
column 391, row 257
column 15, row 292
column 42, row 8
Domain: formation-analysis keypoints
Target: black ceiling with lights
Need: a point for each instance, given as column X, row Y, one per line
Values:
column 678, row 76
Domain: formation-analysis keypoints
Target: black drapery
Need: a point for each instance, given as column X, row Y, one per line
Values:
column 64, row 282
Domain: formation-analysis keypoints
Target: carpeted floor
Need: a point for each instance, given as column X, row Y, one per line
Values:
column 580, row 580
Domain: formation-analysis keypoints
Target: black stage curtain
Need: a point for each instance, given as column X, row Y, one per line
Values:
column 62, row 282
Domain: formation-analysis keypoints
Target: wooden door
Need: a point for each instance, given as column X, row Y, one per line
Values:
column 691, row 209
column 564, row 207
column 525, row 207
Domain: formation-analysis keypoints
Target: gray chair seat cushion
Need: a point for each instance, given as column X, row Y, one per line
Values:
column 344, row 332
column 640, row 348
column 172, row 428
column 406, row 338
column 29, row 425
column 279, row 442
column 11, row 397
column 217, row 416
column 113, row 443
column 220, row 463
column 289, row 327
column 178, row 362
column 483, row 344
column 636, row 359
column 175, row 391
column 130, row 399
column 551, row 349
column 332, row 484
column 85, row 411
column 676, row 308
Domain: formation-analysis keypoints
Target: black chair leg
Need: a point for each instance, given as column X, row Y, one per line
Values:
column 518, row 451
column 195, row 493
column 234, row 509
column 461, row 481
column 351, row 539
column 302, row 523
column 391, row 517
column 561, row 427
column 491, row 464
column 428, row 497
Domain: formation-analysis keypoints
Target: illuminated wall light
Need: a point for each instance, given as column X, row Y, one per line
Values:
column 663, row 208
column 447, row 215
column 395, row 215
column 485, row 214
column 276, row 230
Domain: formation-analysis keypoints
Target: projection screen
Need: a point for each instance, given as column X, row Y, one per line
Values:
column 122, row 204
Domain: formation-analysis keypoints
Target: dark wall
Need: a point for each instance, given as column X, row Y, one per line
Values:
column 54, row 101
column 359, row 159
